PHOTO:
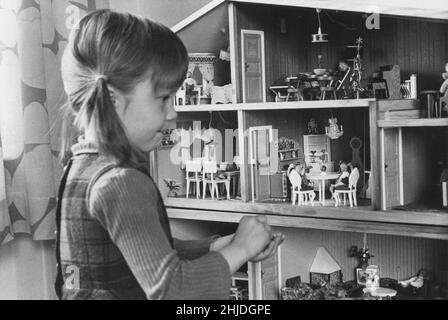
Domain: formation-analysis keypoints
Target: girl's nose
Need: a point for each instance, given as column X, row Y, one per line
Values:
column 170, row 113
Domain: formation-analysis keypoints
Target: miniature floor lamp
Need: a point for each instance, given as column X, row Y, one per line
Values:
column 319, row 36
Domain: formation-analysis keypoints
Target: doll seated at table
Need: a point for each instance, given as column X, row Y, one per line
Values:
column 301, row 170
column 342, row 180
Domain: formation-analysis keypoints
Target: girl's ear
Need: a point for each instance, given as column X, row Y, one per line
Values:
column 117, row 98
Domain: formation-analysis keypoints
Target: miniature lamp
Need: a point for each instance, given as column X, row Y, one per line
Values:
column 333, row 131
column 319, row 36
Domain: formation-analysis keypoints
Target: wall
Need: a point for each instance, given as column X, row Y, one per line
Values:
column 206, row 35
column 293, row 124
column 424, row 156
column 417, row 46
column 220, row 121
column 168, row 12
column 397, row 257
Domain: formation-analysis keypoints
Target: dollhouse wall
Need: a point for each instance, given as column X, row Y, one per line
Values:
column 397, row 257
column 416, row 45
column 425, row 154
column 293, row 124
column 220, row 122
column 206, row 35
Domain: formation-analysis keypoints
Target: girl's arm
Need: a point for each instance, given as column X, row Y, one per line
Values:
column 125, row 203
column 193, row 249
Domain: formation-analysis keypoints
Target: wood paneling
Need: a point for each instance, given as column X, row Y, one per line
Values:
column 416, row 45
column 293, row 124
column 397, row 257
column 417, row 165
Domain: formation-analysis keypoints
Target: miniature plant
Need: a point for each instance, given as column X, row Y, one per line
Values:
column 173, row 187
column 362, row 254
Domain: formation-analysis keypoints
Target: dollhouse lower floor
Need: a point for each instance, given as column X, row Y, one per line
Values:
column 402, row 242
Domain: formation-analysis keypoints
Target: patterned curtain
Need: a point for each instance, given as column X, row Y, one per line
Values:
column 33, row 35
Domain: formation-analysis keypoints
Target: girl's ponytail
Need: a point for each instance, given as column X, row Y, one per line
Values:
column 107, row 125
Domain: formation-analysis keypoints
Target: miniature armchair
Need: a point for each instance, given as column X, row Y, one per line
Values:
column 296, row 190
column 349, row 191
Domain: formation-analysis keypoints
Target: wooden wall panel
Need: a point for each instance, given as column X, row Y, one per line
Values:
column 397, row 257
column 418, row 46
column 425, row 154
column 293, row 124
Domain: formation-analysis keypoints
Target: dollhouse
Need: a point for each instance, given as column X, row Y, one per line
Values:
column 281, row 75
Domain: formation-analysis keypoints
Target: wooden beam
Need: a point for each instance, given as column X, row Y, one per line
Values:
column 427, row 122
column 291, row 105
column 196, row 15
column 340, row 213
column 374, row 156
column 233, row 44
column 242, row 144
column 434, row 9
column 431, row 232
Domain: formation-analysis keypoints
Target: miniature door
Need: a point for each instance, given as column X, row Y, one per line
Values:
column 260, row 145
column 391, row 183
column 265, row 278
column 253, row 66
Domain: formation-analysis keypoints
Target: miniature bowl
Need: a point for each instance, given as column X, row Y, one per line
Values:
column 319, row 72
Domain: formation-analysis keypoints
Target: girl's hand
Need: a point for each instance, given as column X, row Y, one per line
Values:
column 271, row 248
column 253, row 235
column 251, row 238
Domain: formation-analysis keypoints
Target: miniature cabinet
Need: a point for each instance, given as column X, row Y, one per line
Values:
column 317, row 152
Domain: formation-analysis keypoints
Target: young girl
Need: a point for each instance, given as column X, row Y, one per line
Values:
column 120, row 73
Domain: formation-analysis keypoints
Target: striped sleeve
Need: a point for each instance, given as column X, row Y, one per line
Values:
column 193, row 249
column 125, row 203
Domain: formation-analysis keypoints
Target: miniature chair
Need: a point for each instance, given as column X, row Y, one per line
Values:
column 193, row 168
column 350, row 190
column 327, row 84
column 296, row 186
column 209, row 170
column 294, row 91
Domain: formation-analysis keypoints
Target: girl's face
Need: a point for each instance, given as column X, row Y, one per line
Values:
column 144, row 113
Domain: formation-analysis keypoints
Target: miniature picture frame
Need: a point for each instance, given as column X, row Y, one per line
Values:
column 362, row 275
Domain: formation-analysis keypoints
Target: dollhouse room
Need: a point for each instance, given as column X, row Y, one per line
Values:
column 330, row 121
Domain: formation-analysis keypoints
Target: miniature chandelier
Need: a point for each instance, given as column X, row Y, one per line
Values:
column 319, row 36
column 333, row 131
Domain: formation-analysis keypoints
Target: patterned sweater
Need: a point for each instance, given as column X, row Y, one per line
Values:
column 115, row 239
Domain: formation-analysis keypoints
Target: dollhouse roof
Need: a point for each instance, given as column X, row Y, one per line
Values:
column 324, row 262
column 434, row 9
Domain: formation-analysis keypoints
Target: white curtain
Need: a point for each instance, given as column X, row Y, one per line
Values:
column 33, row 35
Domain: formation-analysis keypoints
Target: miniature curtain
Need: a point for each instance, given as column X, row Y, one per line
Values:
column 33, row 35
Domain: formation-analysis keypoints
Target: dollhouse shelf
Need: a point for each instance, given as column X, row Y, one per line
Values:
column 432, row 225
column 433, row 122
column 314, row 104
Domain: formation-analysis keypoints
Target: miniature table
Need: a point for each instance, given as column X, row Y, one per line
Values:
column 277, row 90
column 234, row 177
column 321, row 178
